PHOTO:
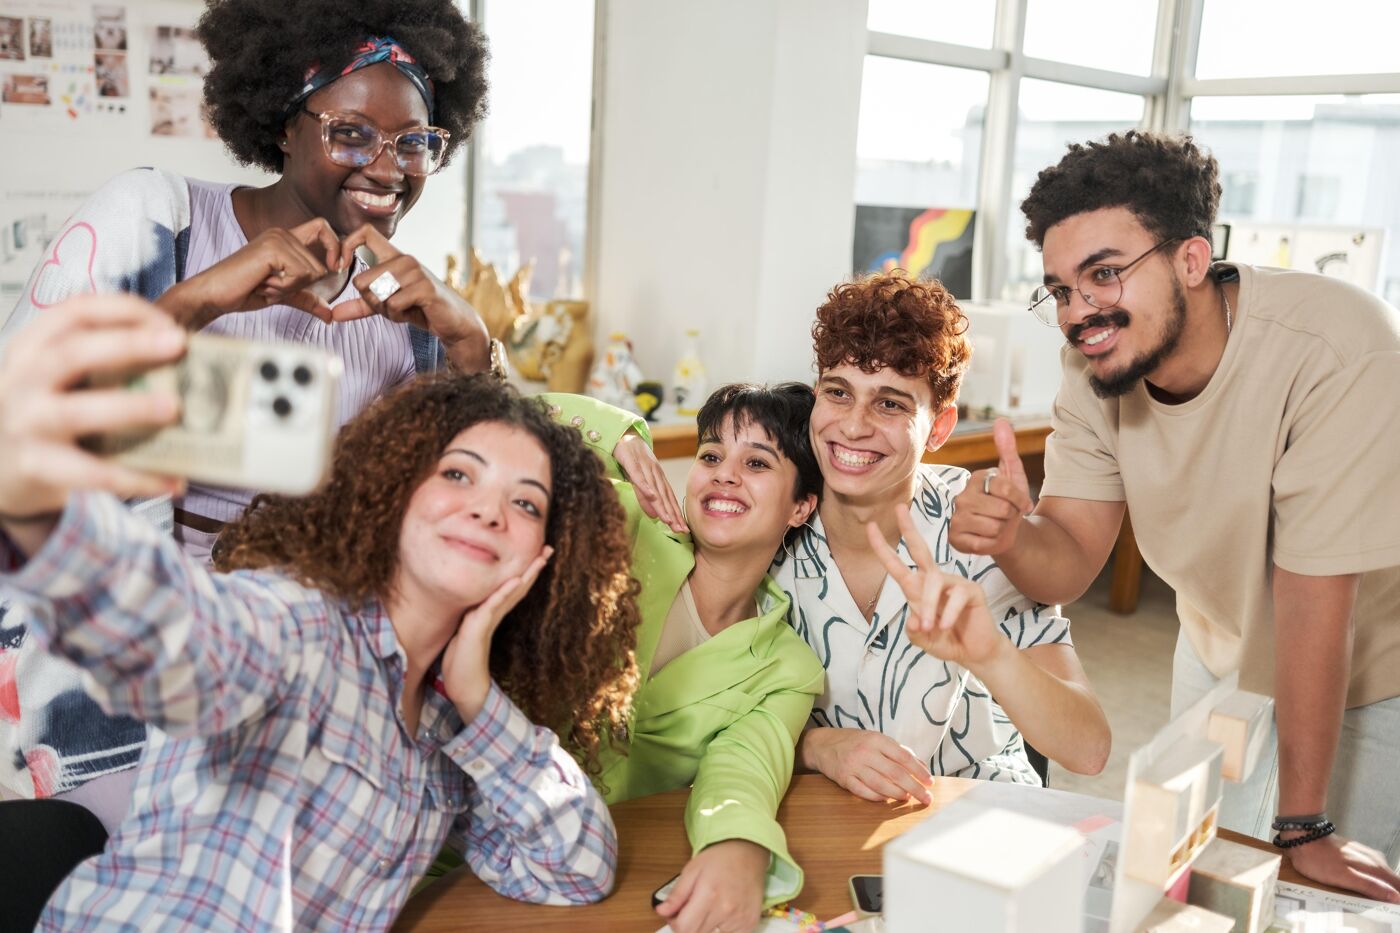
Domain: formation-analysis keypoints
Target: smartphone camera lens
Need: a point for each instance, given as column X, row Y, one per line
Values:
column 302, row 375
column 268, row 371
column 281, row 406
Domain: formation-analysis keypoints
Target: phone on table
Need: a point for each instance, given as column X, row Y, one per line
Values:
column 663, row 892
column 868, row 894
column 253, row 415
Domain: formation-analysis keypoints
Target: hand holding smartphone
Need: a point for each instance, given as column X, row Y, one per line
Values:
column 252, row 416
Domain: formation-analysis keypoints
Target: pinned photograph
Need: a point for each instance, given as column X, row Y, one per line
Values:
column 41, row 37
column 11, row 39
column 111, row 75
column 176, row 50
column 179, row 111
column 109, row 28
column 26, row 89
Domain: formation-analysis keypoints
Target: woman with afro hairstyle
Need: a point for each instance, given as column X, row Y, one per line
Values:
column 352, row 105
column 381, row 668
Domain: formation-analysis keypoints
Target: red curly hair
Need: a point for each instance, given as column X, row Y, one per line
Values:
column 888, row 320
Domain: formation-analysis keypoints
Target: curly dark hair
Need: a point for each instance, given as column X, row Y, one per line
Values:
column 565, row 653
column 891, row 320
column 260, row 51
column 783, row 411
column 1170, row 185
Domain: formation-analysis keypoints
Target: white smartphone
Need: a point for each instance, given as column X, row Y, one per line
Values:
column 253, row 415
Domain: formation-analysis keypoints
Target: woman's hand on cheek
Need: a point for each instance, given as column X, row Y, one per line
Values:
column 721, row 888
column 466, row 669
column 421, row 299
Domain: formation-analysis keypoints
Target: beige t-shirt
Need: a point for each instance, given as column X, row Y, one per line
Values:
column 682, row 631
column 1290, row 456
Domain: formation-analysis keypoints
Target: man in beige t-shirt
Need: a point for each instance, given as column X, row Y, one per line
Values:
column 1250, row 419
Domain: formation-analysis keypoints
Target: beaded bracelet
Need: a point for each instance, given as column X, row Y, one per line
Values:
column 1316, row 832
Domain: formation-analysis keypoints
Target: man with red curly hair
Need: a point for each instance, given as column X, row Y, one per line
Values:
column 916, row 637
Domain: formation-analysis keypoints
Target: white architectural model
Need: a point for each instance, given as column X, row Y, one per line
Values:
column 1240, row 723
column 980, row 868
column 1236, row 881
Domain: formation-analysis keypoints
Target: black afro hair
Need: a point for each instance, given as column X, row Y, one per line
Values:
column 261, row 50
column 1169, row 184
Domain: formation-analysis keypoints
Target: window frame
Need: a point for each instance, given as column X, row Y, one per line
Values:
column 1168, row 92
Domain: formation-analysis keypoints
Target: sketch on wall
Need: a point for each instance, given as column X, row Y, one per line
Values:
column 1353, row 254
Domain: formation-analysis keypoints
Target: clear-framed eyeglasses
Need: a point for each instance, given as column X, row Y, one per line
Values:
column 354, row 142
column 1100, row 285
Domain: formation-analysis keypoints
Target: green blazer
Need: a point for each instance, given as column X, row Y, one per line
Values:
column 723, row 717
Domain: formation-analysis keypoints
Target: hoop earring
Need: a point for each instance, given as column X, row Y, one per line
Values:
column 794, row 532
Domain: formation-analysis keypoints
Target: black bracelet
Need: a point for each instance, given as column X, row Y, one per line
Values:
column 1310, row 821
column 1325, row 828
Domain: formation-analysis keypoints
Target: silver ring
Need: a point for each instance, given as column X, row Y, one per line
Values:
column 987, row 481
column 385, row 286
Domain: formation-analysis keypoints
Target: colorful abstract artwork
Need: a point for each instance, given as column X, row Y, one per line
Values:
column 925, row 242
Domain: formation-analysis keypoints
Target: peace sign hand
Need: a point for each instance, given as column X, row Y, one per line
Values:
column 948, row 615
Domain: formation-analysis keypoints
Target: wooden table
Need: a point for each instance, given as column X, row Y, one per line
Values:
column 831, row 834
column 974, row 449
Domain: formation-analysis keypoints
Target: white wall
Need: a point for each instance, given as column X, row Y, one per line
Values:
column 727, row 177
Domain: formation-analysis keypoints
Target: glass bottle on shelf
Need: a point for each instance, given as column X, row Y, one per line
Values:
column 691, row 389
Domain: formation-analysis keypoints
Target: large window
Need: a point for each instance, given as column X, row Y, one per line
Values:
column 1049, row 117
column 1251, row 38
column 961, row 22
column 915, row 148
column 1301, row 168
column 530, row 199
column 1112, row 35
column 1299, row 101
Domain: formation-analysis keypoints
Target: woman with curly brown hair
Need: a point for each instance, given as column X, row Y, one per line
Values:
column 935, row 663
column 352, row 107
column 361, row 687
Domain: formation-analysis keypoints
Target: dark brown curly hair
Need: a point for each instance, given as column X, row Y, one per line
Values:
column 1170, row 185
column 890, row 320
column 565, row 653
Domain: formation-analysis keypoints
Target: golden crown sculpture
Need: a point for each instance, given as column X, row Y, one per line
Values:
column 551, row 342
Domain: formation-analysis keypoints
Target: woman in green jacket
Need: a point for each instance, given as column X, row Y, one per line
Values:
column 726, row 684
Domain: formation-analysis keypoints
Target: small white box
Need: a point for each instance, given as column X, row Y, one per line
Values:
column 1174, row 806
column 970, row 867
column 1015, row 367
column 1240, row 723
column 1236, row 881
column 1174, row 917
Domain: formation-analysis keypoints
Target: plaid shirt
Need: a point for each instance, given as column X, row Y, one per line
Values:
column 285, row 791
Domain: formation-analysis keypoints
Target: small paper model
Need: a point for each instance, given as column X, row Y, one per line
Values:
column 978, row 868
column 1176, row 801
column 1241, row 724
column 1237, row 881
column 1171, row 916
